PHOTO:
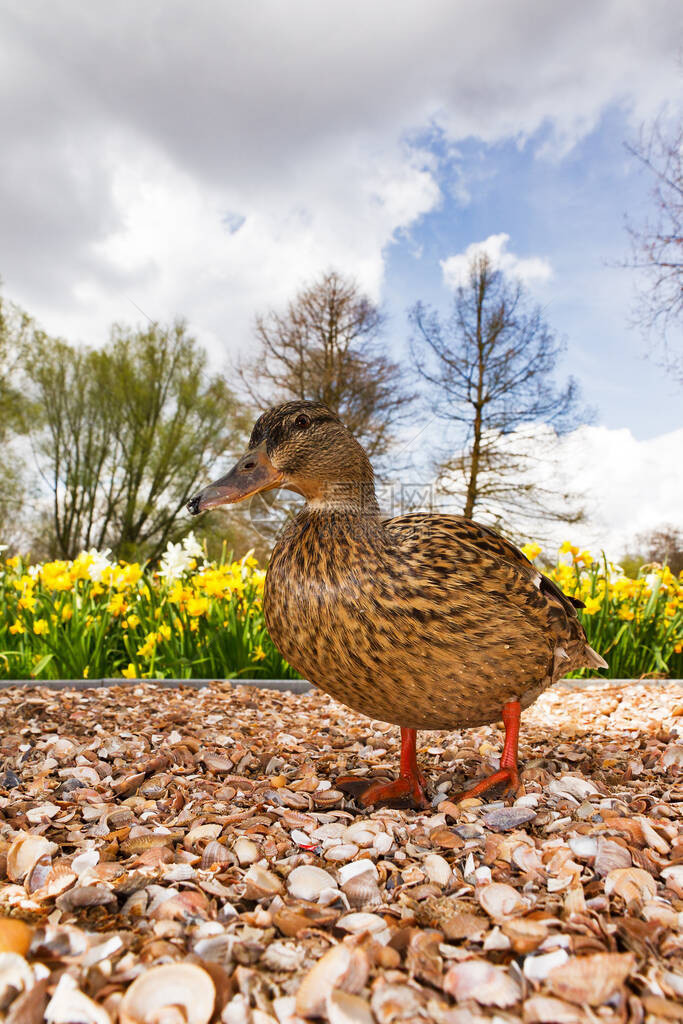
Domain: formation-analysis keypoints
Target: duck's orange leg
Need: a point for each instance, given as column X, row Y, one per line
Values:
column 410, row 786
column 508, row 763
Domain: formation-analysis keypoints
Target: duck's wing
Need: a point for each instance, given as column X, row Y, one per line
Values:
column 468, row 533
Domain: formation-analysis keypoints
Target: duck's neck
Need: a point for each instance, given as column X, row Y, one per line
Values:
column 353, row 498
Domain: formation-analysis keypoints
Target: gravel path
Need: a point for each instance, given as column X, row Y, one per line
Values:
column 171, row 856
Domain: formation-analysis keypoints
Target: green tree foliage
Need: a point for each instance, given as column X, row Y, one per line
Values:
column 124, row 435
column 14, row 326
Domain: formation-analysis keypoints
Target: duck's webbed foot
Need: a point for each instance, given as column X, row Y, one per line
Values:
column 408, row 789
column 508, row 772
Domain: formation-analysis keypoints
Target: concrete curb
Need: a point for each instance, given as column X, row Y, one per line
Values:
column 292, row 685
column 284, row 685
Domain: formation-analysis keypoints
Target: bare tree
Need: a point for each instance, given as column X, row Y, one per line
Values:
column 657, row 243
column 664, row 544
column 489, row 369
column 326, row 347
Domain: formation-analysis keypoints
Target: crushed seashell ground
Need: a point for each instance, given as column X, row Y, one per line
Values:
column 184, row 855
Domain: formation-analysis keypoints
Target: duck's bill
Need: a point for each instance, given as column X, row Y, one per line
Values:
column 253, row 473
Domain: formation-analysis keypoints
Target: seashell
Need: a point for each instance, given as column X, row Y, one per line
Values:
column 62, row 749
column 85, row 896
column 391, row 1002
column 246, row 850
column 528, row 859
column 147, row 841
column 261, row 883
column 571, row 787
column 504, row 819
column 69, row 1004
column 293, row 920
column 307, row 882
column 15, row 936
column 120, row 817
column 201, row 832
column 583, row 847
column 155, row 786
column 537, row 968
column 524, row 934
column 9, row 780
column 153, row 997
column 631, row 884
column 217, row 763
column 84, row 861
column 356, row 867
column 423, row 959
column 457, row 924
column 341, row 967
column 343, row 852
column 446, row 838
column 15, row 974
column 190, row 905
column 215, row 855
column 345, row 1008
column 359, row 834
column 673, row 756
column 39, row 874
column 382, row 843
column 42, row 812
column 362, row 890
column 609, row 856
column 548, row 1010
column 591, row 979
column 437, row 868
column 500, row 900
column 58, row 880
column 477, row 979
column 327, row 798
column 24, row 852
column 674, row 878
column 126, row 784
column 495, row 940
column 360, row 922
column 283, row 956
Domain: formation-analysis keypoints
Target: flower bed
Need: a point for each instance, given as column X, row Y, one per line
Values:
column 191, row 619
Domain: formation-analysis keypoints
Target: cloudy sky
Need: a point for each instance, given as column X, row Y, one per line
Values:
column 206, row 160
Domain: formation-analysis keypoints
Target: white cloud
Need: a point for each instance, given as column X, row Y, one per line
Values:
column 455, row 269
column 136, row 129
column 626, row 486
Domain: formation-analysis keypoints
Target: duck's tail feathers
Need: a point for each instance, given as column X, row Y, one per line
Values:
column 593, row 659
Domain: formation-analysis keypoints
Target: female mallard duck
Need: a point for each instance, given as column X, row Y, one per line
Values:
column 428, row 621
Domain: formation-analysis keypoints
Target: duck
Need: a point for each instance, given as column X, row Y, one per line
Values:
column 427, row 621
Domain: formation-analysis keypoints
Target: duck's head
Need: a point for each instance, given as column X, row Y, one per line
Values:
column 300, row 446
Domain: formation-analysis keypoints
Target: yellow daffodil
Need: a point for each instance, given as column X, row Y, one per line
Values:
column 17, row 628
column 197, row 606
column 531, row 550
column 40, row 627
column 129, row 673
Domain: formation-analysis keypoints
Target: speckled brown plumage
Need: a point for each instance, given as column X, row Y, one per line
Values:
column 427, row 621
column 417, row 620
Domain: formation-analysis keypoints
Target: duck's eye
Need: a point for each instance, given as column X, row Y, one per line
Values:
column 302, row 421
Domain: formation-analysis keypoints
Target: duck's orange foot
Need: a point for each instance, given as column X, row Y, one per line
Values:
column 408, row 790
column 508, row 775
column 405, row 791
column 508, row 772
